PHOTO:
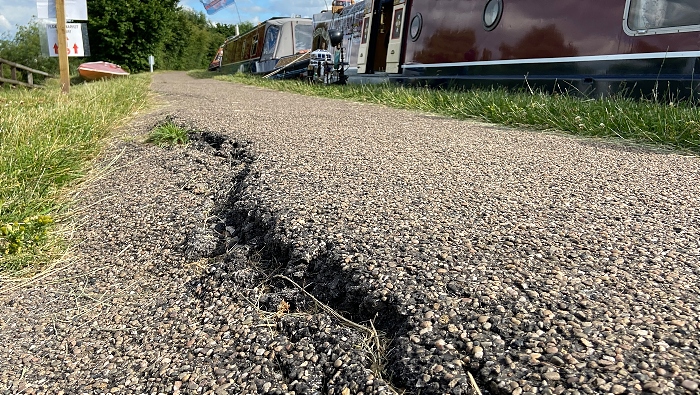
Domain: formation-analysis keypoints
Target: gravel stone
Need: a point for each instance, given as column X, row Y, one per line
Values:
column 690, row 385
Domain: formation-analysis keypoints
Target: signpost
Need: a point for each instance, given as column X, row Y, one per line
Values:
column 62, row 47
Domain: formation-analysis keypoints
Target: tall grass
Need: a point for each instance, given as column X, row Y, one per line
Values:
column 47, row 140
column 673, row 125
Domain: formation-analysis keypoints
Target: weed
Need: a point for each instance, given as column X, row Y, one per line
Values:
column 18, row 236
column 168, row 134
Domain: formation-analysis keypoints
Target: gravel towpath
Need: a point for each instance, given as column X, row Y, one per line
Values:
column 310, row 246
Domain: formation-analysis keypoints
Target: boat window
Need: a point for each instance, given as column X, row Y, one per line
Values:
column 303, row 36
column 270, row 41
column 365, row 31
column 416, row 26
column 254, row 46
column 661, row 16
column 398, row 24
column 492, row 14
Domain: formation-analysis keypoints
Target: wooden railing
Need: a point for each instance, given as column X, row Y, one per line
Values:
column 13, row 74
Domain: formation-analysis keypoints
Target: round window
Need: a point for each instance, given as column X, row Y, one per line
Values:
column 492, row 14
column 416, row 26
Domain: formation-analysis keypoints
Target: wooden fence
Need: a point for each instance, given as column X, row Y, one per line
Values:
column 13, row 74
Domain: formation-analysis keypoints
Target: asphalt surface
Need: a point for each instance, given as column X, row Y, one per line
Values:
column 536, row 262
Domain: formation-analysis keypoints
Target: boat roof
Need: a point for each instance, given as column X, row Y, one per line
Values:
column 282, row 20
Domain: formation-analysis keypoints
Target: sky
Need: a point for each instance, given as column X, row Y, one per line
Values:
column 19, row 12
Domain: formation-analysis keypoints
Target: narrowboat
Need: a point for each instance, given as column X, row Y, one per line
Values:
column 278, row 46
column 596, row 47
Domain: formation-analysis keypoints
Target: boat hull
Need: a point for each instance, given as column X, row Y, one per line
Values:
column 100, row 70
column 594, row 47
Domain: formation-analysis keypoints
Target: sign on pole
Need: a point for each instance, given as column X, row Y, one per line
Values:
column 75, row 9
column 74, row 39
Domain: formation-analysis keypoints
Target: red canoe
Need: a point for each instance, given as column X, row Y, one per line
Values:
column 99, row 70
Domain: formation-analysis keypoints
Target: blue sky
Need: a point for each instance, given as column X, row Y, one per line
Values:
column 19, row 12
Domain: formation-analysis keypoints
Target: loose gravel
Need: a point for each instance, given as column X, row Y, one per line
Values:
column 538, row 263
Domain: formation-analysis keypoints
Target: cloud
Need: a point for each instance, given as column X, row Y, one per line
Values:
column 298, row 7
column 4, row 23
column 15, row 12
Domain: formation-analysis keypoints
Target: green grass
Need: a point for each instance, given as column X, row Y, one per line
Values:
column 674, row 125
column 202, row 73
column 47, row 142
column 168, row 134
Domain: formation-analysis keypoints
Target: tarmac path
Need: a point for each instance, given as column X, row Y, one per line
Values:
column 538, row 263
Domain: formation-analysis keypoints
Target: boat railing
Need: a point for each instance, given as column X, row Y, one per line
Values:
column 287, row 61
column 14, row 75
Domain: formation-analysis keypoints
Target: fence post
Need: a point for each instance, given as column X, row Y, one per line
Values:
column 13, row 72
column 30, row 78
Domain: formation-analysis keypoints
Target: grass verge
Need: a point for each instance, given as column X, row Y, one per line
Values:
column 667, row 124
column 47, row 141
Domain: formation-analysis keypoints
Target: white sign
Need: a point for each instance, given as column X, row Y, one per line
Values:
column 74, row 37
column 75, row 9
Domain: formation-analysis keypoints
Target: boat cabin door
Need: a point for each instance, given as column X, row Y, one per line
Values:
column 364, row 39
column 393, row 55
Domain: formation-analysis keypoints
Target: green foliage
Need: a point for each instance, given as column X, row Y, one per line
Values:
column 168, row 134
column 190, row 42
column 230, row 30
column 127, row 31
column 17, row 237
column 25, row 48
column 204, row 73
column 47, row 142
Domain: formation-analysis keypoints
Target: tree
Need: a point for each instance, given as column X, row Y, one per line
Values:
column 25, row 48
column 127, row 31
column 230, row 30
column 189, row 42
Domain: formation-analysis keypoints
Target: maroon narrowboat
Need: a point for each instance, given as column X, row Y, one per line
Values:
column 597, row 46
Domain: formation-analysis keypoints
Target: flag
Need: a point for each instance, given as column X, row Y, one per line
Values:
column 213, row 6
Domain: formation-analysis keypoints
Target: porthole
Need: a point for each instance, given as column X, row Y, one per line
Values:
column 492, row 14
column 416, row 26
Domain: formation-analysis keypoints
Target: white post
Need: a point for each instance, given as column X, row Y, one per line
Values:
column 151, row 62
